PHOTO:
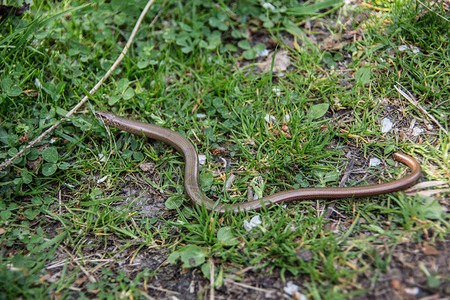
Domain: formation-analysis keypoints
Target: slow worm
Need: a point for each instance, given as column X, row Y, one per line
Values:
column 185, row 147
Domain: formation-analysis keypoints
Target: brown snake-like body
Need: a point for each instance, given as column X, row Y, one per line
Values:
column 191, row 184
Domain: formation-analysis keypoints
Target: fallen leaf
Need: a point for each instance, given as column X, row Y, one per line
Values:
column 80, row 280
column 396, row 284
column 429, row 250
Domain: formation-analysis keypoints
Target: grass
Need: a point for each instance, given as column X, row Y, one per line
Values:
column 94, row 212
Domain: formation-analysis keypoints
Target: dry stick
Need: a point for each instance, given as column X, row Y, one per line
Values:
column 91, row 92
column 408, row 96
column 88, row 275
column 211, row 279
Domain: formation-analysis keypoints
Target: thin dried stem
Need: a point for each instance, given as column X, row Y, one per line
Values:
column 408, row 96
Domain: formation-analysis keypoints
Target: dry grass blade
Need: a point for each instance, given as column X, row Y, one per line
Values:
column 408, row 96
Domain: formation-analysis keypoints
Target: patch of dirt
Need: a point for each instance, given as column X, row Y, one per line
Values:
column 406, row 276
column 145, row 198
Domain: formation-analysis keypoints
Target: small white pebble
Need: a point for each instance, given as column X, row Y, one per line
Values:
column 255, row 221
column 201, row 159
column 417, row 131
column 290, row 288
column 200, row 116
column 37, row 83
column 52, row 140
column 386, row 125
column 262, row 53
column 270, row 119
column 373, row 162
column 225, row 164
column 412, row 291
column 415, row 49
column 268, row 5
column 402, row 47
column 102, row 157
column 102, row 179
column 287, row 118
column 277, row 91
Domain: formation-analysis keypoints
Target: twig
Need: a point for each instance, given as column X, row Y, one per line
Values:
column 443, row 102
column 408, row 96
column 162, row 289
column 246, row 286
column 433, row 11
column 91, row 92
column 88, row 275
column 211, row 279
column 60, row 202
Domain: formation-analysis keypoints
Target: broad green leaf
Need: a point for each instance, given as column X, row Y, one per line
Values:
column 138, row 156
column 174, row 202
column 190, row 255
column 363, row 75
column 433, row 281
column 205, row 181
column 225, row 236
column 328, row 59
column 230, row 47
column 331, row 176
column 127, row 153
column 61, row 112
column 64, row 166
column 50, row 155
column 81, row 123
column 388, row 149
column 259, row 47
column 113, row 100
column 186, row 49
column 10, row 87
column 317, row 111
column 214, row 42
column 26, row 176
column 143, row 64
column 122, row 85
column 12, row 151
column 30, row 214
column 293, row 29
column 244, row 44
column 129, row 93
column 116, row 5
column 49, row 169
column 5, row 215
column 431, row 208
column 249, row 54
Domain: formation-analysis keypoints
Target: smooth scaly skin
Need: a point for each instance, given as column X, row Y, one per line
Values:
column 191, row 169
